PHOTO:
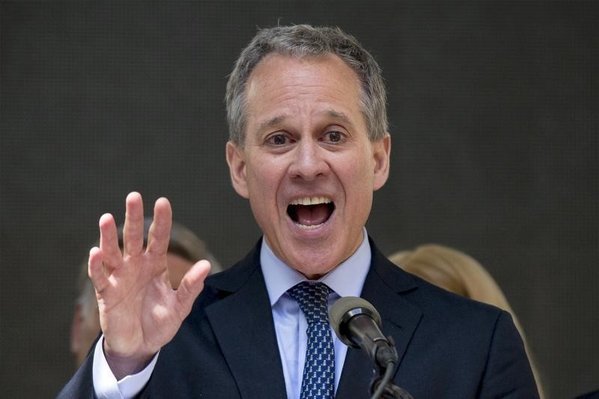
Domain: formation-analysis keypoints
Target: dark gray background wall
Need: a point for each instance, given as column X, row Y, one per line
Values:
column 493, row 109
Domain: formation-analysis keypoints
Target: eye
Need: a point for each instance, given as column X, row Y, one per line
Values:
column 277, row 139
column 334, row 136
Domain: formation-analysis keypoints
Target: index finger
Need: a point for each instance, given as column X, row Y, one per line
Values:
column 109, row 242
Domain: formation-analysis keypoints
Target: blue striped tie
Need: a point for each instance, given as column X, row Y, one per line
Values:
column 318, row 380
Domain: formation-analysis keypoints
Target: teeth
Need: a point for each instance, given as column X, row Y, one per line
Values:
column 311, row 227
column 311, row 201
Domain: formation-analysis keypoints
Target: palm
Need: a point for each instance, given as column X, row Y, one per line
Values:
column 137, row 305
column 139, row 310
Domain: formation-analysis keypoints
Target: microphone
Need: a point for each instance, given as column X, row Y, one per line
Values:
column 358, row 325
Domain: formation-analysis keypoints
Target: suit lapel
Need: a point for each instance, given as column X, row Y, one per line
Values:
column 383, row 287
column 243, row 325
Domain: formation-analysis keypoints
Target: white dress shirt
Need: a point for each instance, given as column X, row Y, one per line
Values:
column 346, row 279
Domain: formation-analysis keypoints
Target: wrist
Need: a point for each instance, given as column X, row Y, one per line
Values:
column 124, row 365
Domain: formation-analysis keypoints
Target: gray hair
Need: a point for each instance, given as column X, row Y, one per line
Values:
column 301, row 41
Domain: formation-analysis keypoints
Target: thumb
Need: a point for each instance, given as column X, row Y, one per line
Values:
column 191, row 286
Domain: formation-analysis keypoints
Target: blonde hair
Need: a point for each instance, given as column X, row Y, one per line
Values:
column 461, row 274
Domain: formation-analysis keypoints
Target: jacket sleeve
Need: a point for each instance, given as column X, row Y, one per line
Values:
column 81, row 384
column 508, row 373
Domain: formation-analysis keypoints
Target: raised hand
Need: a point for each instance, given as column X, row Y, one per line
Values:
column 139, row 310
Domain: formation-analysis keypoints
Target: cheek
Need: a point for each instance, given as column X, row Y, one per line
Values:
column 360, row 172
column 358, row 181
column 263, row 183
column 264, row 177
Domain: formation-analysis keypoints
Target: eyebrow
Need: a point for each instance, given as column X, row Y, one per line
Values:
column 271, row 122
column 340, row 116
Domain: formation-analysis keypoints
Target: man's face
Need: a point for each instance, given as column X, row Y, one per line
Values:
column 307, row 165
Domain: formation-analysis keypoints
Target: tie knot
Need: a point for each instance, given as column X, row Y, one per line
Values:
column 312, row 299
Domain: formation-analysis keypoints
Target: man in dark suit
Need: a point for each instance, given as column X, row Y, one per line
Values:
column 308, row 147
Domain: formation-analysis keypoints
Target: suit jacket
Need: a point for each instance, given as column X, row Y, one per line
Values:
column 449, row 346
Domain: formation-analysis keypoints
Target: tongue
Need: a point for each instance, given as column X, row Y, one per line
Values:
column 311, row 215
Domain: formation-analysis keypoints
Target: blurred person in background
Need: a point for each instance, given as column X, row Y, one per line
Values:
column 461, row 274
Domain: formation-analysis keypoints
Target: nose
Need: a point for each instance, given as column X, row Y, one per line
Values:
column 309, row 160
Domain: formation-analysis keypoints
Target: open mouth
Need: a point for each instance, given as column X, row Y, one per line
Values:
column 310, row 211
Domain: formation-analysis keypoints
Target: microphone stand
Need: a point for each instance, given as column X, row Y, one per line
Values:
column 381, row 386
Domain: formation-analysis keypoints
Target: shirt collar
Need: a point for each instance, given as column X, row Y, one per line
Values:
column 346, row 279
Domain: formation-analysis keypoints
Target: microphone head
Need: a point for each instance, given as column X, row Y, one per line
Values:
column 346, row 308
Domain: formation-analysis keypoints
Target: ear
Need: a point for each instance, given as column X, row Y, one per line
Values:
column 382, row 159
column 237, row 168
